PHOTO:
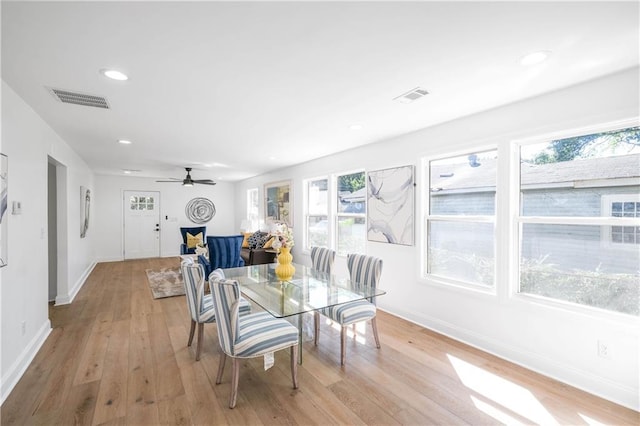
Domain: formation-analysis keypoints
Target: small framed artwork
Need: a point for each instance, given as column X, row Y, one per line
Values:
column 390, row 205
column 85, row 208
column 4, row 204
column 278, row 202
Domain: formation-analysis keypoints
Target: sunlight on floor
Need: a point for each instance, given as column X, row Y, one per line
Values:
column 591, row 422
column 508, row 395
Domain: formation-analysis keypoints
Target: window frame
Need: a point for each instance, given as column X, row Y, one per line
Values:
column 307, row 215
column 606, row 239
column 517, row 221
column 427, row 217
column 337, row 215
column 332, row 209
column 253, row 193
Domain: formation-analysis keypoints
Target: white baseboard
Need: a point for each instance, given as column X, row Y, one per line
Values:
column 65, row 299
column 566, row 373
column 15, row 372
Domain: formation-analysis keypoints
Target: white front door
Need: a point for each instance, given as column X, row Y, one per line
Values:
column 141, row 224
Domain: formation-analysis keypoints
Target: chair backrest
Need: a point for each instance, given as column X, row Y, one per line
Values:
column 364, row 270
column 193, row 277
column 322, row 259
column 192, row 231
column 226, row 298
column 224, row 252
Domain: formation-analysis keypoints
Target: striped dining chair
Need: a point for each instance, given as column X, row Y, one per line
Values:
column 321, row 260
column 200, row 305
column 364, row 271
column 247, row 336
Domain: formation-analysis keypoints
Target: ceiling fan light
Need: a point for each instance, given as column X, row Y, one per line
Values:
column 187, row 184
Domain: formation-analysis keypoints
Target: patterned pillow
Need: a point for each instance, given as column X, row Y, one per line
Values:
column 257, row 240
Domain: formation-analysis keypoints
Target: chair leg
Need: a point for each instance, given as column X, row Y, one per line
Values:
column 191, row 332
column 375, row 331
column 316, row 327
column 235, row 376
column 200, row 338
column 223, row 358
column 343, row 344
column 294, row 365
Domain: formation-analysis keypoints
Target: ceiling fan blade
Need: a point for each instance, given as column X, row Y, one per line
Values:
column 204, row 182
column 174, row 181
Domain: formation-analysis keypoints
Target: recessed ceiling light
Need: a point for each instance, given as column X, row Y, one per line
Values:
column 355, row 127
column 127, row 172
column 114, row 74
column 535, row 57
column 272, row 158
column 124, row 142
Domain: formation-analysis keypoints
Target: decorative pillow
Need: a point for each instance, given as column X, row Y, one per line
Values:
column 194, row 240
column 257, row 240
column 269, row 242
column 245, row 242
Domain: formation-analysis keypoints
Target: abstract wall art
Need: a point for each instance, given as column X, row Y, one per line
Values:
column 85, row 208
column 278, row 202
column 390, row 205
column 200, row 210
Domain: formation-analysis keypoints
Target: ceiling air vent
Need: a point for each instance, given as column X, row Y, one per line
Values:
column 411, row 95
column 69, row 97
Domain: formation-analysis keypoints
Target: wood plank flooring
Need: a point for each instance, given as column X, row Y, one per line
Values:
column 116, row 356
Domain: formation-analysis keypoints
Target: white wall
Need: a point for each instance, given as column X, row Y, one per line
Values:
column 554, row 341
column 28, row 140
column 174, row 197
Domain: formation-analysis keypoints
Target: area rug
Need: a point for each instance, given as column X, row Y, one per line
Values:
column 165, row 282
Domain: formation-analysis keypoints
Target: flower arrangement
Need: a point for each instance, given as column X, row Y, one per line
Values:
column 283, row 236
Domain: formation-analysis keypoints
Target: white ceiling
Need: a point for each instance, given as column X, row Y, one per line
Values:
column 252, row 87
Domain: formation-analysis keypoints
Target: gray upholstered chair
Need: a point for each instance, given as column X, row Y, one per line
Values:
column 247, row 336
column 363, row 271
column 200, row 304
column 322, row 259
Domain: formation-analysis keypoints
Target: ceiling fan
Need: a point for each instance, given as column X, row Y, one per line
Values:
column 188, row 181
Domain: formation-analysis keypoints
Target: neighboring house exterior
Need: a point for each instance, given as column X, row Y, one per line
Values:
column 601, row 187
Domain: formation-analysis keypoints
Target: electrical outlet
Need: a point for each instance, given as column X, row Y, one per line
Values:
column 23, row 326
column 604, row 350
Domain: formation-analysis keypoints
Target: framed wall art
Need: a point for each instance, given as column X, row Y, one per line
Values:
column 85, row 209
column 278, row 202
column 390, row 205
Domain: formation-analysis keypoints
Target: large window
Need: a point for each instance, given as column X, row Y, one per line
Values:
column 317, row 213
column 579, row 220
column 253, row 208
column 335, row 214
column 461, row 219
column 351, row 209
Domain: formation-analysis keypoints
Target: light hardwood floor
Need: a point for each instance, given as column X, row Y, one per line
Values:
column 117, row 356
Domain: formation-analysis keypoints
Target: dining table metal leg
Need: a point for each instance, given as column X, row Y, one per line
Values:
column 300, row 338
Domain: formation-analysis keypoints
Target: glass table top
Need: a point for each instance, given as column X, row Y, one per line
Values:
column 306, row 291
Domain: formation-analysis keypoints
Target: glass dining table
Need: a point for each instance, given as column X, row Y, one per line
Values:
column 308, row 290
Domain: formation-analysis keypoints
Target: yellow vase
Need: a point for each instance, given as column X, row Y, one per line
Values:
column 284, row 269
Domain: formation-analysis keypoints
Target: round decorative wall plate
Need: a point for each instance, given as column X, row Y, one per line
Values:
column 200, row 210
